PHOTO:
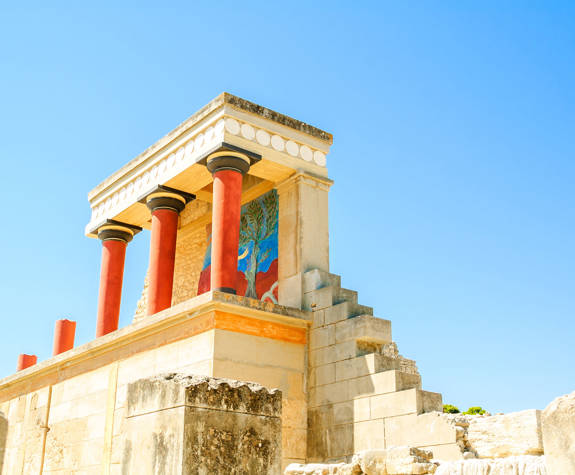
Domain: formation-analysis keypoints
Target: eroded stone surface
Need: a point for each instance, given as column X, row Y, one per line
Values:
column 196, row 424
column 558, row 424
column 521, row 465
column 505, row 435
column 392, row 461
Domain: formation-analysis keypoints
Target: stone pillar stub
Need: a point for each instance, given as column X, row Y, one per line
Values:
column 303, row 234
column 179, row 423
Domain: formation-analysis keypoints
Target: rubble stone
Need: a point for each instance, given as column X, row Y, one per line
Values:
column 558, row 423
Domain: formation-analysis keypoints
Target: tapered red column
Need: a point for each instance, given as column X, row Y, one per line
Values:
column 165, row 207
column 64, row 334
column 25, row 361
column 228, row 169
column 115, row 238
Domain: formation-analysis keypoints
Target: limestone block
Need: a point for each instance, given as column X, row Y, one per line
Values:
column 329, row 394
column 303, row 234
column 516, row 433
column 3, row 438
column 319, row 299
column 256, row 350
column 558, row 424
column 445, row 451
column 420, row 430
column 316, row 279
column 317, row 319
column 195, row 349
column 322, row 469
column 326, row 442
column 351, row 411
column 17, row 409
column 517, row 465
column 344, row 295
column 319, row 337
column 356, row 367
column 344, row 310
column 293, row 442
column 365, row 328
column 290, row 291
column 323, row 375
column 394, row 461
column 290, row 383
column 340, row 441
column 337, row 313
column 383, row 383
column 197, row 424
column 333, row 353
column 368, row 435
column 402, row 402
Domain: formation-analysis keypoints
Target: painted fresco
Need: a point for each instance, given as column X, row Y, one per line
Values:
column 258, row 251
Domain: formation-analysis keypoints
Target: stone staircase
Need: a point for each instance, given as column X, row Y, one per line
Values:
column 362, row 393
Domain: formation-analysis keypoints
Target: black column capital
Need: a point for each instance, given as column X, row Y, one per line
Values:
column 164, row 197
column 112, row 230
column 228, row 160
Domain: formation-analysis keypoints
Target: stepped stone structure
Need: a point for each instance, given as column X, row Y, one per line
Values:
column 245, row 354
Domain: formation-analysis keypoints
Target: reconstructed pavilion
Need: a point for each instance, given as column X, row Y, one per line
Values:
column 235, row 200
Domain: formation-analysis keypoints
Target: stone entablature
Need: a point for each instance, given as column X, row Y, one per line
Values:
column 285, row 145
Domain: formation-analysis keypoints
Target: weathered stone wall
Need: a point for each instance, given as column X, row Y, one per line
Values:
column 67, row 414
column 274, row 364
column 77, row 425
column 362, row 393
column 505, row 435
column 188, row 424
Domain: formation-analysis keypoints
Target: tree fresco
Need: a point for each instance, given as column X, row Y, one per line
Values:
column 258, row 250
column 259, row 221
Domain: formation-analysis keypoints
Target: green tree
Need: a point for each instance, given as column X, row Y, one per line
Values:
column 475, row 411
column 450, row 409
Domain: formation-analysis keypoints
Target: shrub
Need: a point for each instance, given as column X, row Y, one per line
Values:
column 450, row 409
column 475, row 411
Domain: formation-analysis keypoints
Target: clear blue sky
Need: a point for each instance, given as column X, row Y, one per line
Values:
column 453, row 159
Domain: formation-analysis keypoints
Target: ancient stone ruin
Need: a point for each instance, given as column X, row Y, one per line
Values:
column 245, row 354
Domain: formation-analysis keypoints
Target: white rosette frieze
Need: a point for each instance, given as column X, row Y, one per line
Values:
column 189, row 152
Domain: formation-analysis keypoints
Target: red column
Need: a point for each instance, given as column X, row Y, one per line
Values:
column 227, row 169
column 64, row 334
column 25, row 361
column 115, row 238
column 165, row 207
